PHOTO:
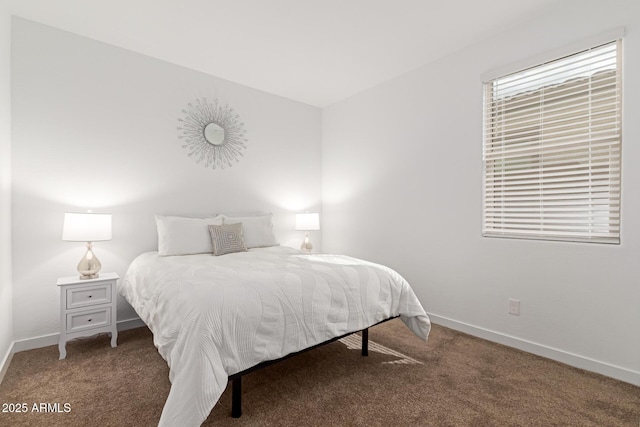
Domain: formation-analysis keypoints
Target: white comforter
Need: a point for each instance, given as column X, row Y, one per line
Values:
column 212, row 317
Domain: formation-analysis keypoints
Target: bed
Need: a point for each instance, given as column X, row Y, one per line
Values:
column 215, row 317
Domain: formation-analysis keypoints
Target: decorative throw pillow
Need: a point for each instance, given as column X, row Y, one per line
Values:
column 257, row 229
column 227, row 238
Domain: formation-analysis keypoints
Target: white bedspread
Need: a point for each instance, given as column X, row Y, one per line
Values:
column 212, row 317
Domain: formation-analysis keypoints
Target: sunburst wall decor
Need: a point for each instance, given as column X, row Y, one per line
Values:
column 212, row 133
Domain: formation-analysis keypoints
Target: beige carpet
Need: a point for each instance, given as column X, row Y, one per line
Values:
column 454, row 380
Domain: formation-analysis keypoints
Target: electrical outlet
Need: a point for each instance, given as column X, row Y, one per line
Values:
column 514, row 307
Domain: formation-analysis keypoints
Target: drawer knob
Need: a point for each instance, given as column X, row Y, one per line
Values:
column 89, row 296
column 88, row 320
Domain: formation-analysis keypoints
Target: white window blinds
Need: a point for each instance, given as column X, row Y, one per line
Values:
column 552, row 142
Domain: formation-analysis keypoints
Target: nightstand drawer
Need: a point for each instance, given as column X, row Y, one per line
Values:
column 88, row 319
column 90, row 295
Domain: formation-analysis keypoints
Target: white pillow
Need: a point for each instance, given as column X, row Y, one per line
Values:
column 258, row 230
column 184, row 236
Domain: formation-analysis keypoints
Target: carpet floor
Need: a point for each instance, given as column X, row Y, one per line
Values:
column 453, row 380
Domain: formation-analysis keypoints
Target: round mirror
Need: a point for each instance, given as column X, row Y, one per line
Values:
column 214, row 134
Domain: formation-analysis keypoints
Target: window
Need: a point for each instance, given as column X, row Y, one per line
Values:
column 552, row 145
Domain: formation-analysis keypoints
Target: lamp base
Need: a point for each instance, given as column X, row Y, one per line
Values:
column 306, row 244
column 89, row 265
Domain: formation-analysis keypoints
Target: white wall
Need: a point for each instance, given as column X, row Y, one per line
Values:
column 95, row 127
column 6, row 312
column 402, row 184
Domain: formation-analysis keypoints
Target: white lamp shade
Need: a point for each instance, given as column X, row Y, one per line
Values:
column 86, row 227
column 308, row 221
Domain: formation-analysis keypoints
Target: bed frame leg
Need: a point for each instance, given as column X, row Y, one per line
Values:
column 365, row 342
column 236, row 397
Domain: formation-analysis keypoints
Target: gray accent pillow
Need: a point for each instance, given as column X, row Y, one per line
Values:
column 227, row 238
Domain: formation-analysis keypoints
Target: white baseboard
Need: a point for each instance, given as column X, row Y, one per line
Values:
column 125, row 325
column 575, row 360
column 52, row 339
column 36, row 342
column 4, row 365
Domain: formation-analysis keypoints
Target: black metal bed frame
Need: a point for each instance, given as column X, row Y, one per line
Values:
column 236, row 379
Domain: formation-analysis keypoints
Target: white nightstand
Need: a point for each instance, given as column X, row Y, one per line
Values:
column 87, row 307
